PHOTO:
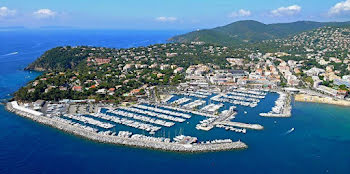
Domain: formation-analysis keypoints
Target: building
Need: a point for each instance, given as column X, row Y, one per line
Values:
column 77, row 88
column 327, row 90
column 314, row 71
column 342, row 82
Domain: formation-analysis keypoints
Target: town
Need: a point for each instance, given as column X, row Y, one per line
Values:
column 136, row 96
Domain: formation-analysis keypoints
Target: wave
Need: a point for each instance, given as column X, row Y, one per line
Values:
column 10, row 54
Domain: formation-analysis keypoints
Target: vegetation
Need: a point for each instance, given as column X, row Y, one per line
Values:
column 242, row 32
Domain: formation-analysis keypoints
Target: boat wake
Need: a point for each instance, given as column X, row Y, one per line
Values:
column 289, row 131
column 10, row 54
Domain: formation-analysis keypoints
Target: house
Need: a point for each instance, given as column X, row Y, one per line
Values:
column 178, row 70
column 135, row 91
column 101, row 91
column 77, row 88
column 111, row 91
column 342, row 94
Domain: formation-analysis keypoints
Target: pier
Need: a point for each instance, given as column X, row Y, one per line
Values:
column 181, row 101
column 163, row 111
column 194, row 104
column 154, row 114
column 240, row 125
column 142, row 118
column 184, row 110
column 282, row 107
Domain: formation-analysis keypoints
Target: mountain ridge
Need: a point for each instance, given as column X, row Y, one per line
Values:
column 251, row 31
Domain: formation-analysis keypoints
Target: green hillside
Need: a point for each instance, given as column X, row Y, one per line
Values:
column 250, row 31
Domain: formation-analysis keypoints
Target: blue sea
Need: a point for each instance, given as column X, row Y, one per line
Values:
column 319, row 144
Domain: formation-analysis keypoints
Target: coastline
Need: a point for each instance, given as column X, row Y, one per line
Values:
column 323, row 100
column 138, row 143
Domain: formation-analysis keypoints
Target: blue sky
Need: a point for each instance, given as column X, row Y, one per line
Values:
column 165, row 14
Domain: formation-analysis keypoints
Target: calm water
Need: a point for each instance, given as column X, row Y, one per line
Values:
column 319, row 144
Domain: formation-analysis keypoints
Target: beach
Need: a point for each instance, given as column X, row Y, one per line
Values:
column 318, row 99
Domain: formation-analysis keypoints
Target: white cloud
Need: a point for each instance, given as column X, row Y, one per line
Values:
column 166, row 19
column 340, row 7
column 240, row 13
column 4, row 12
column 44, row 13
column 286, row 11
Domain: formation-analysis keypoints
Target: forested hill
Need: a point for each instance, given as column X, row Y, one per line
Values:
column 251, row 31
column 59, row 58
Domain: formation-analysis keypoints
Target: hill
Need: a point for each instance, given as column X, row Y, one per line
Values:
column 250, row 31
column 59, row 58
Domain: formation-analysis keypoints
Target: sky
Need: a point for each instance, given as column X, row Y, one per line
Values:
column 165, row 14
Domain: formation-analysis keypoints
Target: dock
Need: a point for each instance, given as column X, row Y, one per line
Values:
column 282, row 107
column 240, row 125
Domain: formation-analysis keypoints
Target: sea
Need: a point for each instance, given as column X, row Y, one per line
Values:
column 319, row 142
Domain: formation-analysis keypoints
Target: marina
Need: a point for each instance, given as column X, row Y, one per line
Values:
column 124, row 138
column 163, row 122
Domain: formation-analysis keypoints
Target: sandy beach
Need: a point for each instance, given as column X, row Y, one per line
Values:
column 317, row 99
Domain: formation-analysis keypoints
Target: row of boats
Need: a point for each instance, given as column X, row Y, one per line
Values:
column 231, row 96
column 212, row 107
column 142, row 118
column 247, row 95
column 257, row 92
column 88, row 120
column 217, row 141
column 148, row 138
column 167, row 98
column 232, row 128
column 206, row 124
column 282, row 107
column 181, row 101
column 221, row 98
column 193, row 95
column 185, row 110
column 155, row 114
column 73, row 123
column 194, row 104
column 164, row 111
column 130, row 123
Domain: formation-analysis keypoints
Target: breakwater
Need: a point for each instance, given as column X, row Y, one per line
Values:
column 134, row 142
